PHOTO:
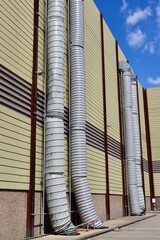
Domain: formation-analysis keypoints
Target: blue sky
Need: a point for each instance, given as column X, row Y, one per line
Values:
column 136, row 26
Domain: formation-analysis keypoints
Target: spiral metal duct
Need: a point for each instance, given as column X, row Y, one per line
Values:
column 78, row 111
column 137, row 143
column 129, row 139
column 54, row 127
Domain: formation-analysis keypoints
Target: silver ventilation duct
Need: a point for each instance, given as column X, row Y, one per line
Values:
column 78, row 120
column 137, row 142
column 129, row 138
column 54, row 127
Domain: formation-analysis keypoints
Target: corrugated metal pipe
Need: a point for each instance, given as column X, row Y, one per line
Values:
column 78, row 120
column 137, row 142
column 129, row 139
column 54, row 127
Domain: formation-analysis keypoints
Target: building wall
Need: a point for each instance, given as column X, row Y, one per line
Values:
column 115, row 171
column 94, row 99
column 15, row 119
column 143, row 139
column 15, row 116
column 153, row 96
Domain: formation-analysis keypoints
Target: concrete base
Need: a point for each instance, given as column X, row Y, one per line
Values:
column 158, row 203
column 115, row 206
column 100, row 206
column 148, row 204
column 13, row 212
column 116, row 209
column 13, row 215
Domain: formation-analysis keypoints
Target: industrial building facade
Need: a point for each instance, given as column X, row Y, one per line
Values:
column 23, row 87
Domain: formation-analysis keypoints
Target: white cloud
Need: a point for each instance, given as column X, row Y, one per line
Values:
column 138, row 16
column 124, row 5
column 149, row 47
column 154, row 81
column 136, row 38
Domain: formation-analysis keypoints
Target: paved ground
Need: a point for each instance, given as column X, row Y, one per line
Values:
column 117, row 227
column 148, row 229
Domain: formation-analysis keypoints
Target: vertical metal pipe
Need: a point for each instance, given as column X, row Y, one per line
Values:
column 139, row 119
column 149, row 149
column 55, row 151
column 69, row 114
column 129, row 139
column 78, row 118
column 124, row 202
column 105, row 120
column 137, row 146
column 31, row 192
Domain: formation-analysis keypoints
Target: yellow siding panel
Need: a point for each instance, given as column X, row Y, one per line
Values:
column 111, row 85
column 93, row 66
column 41, row 46
column 14, row 149
column 17, row 53
column 143, row 136
column 153, row 95
column 115, row 175
column 17, row 23
column 147, row 188
column 39, row 156
column 157, row 183
column 154, row 121
column 142, row 121
column 121, row 55
column 96, row 170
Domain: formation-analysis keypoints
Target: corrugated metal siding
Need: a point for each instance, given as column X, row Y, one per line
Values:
column 111, row 85
column 115, row 176
column 96, row 170
column 115, row 172
column 144, row 144
column 17, row 52
column 147, row 184
column 94, row 99
column 154, row 121
column 93, row 61
column 17, row 56
column 14, row 149
column 39, row 156
column 41, row 46
column 121, row 55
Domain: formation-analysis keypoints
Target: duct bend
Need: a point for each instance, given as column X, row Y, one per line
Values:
column 54, row 127
column 78, row 110
column 129, row 139
column 137, row 142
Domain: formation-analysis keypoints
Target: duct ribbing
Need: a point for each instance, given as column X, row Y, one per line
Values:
column 137, row 143
column 54, row 132
column 129, row 139
column 78, row 110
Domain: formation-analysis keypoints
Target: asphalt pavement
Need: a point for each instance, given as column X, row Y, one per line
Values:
column 148, row 229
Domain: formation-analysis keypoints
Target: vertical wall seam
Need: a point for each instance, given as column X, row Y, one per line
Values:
column 105, row 120
column 149, row 150
column 31, row 192
column 124, row 202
